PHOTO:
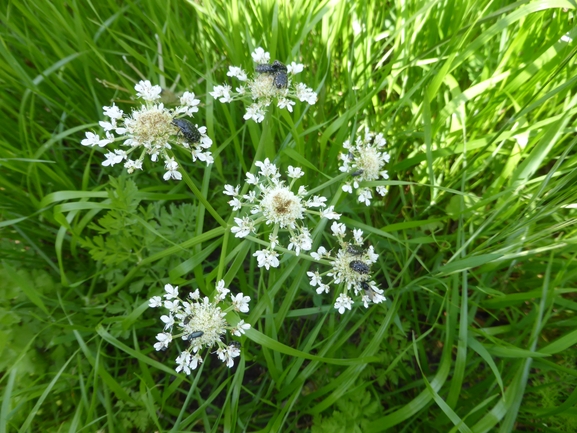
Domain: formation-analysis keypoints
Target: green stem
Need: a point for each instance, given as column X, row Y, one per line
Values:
column 329, row 182
column 202, row 199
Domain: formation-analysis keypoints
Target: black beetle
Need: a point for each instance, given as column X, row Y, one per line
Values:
column 271, row 69
column 265, row 69
column 195, row 334
column 279, row 71
column 187, row 129
column 360, row 267
column 280, row 80
column 355, row 251
column 279, row 67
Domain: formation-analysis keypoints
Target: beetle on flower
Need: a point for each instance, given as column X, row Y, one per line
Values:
column 269, row 83
column 350, row 269
column 152, row 130
column 201, row 323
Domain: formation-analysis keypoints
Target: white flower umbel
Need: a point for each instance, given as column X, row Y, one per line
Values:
column 200, row 322
column 364, row 160
column 152, row 129
column 350, row 270
column 270, row 83
column 274, row 203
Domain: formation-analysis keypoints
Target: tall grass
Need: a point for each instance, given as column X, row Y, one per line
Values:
column 477, row 236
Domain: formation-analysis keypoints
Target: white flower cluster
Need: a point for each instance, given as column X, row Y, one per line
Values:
column 264, row 86
column 152, row 129
column 273, row 203
column 365, row 160
column 350, row 268
column 200, row 323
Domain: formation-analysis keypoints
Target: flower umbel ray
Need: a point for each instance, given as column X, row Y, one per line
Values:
column 200, row 323
column 274, row 203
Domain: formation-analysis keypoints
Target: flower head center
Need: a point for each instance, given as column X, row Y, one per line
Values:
column 205, row 318
column 351, row 268
column 262, row 87
column 150, row 124
column 370, row 163
column 281, row 206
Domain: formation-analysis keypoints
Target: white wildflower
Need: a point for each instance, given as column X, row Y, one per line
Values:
column 251, row 179
column 172, row 172
column 317, row 201
column 230, row 190
column 365, row 196
column 131, row 165
column 321, row 252
column 164, row 340
column 358, row 236
column 301, row 241
column 172, row 305
column 338, row 229
column 226, row 354
column 260, row 56
column 286, row 103
column 275, row 204
column 305, row 94
column 350, row 270
column 155, row 301
column 201, row 324
column 189, row 99
column 295, row 68
column 235, row 203
column 183, row 362
column 254, row 112
column 221, row 290
column 244, row 226
column 240, row 328
column 343, row 302
column 222, row 93
column 147, row 91
column 152, row 129
column 115, row 157
column 171, row 291
column 240, row 302
column 315, row 278
column 347, row 188
column 365, row 160
column 235, row 71
column 269, row 83
column 91, row 139
column 267, row 258
column 168, row 321
column 323, row 288
column 381, row 190
column 330, row 213
column 295, row 172
column 113, row 112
